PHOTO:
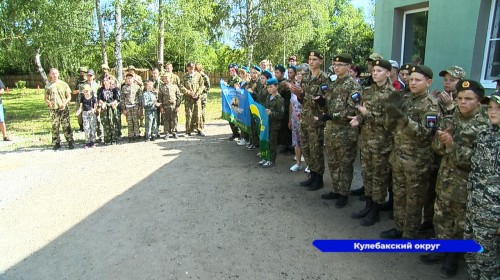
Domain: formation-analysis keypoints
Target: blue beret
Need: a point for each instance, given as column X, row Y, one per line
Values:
column 257, row 68
column 246, row 69
column 293, row 67
column 280, row 68
column 232, row 65
column 268, row 74
column 272, row 81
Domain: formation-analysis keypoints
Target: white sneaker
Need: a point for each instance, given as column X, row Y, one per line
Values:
column 294, row 158
column 242, row 142
column 302, row 158
column 268, row 164
column 295, row 168
column 307, row 170
column 258, row 154
column 262, row 162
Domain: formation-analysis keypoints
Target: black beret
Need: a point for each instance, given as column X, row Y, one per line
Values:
column 343, row 57
column 383, row 63
column 316, row 54
column 476, row 87
column 422, row 69
column 280, row 68
column 406, row 66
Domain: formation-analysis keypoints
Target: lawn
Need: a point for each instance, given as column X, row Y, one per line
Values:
column 28, row 122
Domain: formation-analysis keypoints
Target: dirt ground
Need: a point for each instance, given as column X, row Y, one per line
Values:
column 192, row 208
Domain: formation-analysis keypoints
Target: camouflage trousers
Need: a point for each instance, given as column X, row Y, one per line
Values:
column 133, row 122
column 77, row 103
column 255, row 129
column 340, row 142
column 98, row 126
column 204, row 99
column 274, row 130
column 193, row 115
column 140, row 115
column 410, row 181
column 169, row 120
column 430, row 195
column 109, row 117
column 451, row 203
column 61, row 118
column 375, row 168
column 151, row 123
column 312, row 142
column 89, row 125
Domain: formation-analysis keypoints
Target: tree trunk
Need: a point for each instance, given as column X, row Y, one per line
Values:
column 101, row 31
column 39, row 67
column 161, row 42
column 118, row 40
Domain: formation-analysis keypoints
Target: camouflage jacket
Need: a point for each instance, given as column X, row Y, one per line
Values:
column 340, row 100
column 56, row 92
column 192, row 85
column 149, row 100
column 276, row 105
column 169, row 95
column 285, row 92
column 484, row 179
column 457, row 156
column 262, row 95
column 413, row 138
column 312, row 87
column 174, row 79
column 206, row 83
column 80, row 82
column 130, row 95
column 254, row 87
column 233, row 80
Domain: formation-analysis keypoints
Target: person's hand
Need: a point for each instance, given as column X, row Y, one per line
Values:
column 362, row 109
column 446, row 98
column 62, row 107
column 78, row 112
column 124, row 112
column 290, row 125
column 250, row 90
column 268, row 112
column 176, row 109
column 50, row 104
column 320, row 100
column 445, row 137
column 354, row 121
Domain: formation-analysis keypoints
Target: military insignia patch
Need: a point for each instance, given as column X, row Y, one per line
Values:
column 407, row 66
column 324, row 87
column 413, row 69
column 431, row 121
column 378, row 62
column 465, row 84
column 356, row 97
column 337, row 59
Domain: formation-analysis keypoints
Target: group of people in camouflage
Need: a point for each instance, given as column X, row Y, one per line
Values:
column 436, row 155
column 100, row 104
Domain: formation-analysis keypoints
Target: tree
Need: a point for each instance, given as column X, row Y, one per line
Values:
column 118, row 40
column 161, row 39
column 101, row 31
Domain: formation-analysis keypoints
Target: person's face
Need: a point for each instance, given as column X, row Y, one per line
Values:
column 352, row 73
column 291, row 74
column 278, row 74
column 263, row 66
column 292, row 62
column 128, row 80
column 298, row 77
column 369, row 64
column 112, row 84
column 232, row 72
column 86, row 93
column 380, row 74
column 405, row 76
column 54, row 74
column 341, row 69
column 394, row 72
column 263, row 79
column 90, row 77
column 168, row 68
column 272, row 89
column 419, row 83
column 155, row 74
column 467, row 102
column 107, row 84
column 254, row 74
column 494, row 112
column 243, row 75
column 190, row 69
column 83, row 74
column 314, row 62
column 449, row 83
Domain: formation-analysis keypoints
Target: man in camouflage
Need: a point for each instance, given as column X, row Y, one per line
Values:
column 170, row 98
column 254, row 87
column 285, row 135
column 482, row 220
column 375, row 142
column 192, row 87
column 275, row 109
column 340, row 102
column 78, row 91
column 130, row 101
column 314, row 84
column 174, row 79
column 57, row 96
column 136, row 79
column 369, row 63
column 414, row 121
column 454, row 142
column 204, row 95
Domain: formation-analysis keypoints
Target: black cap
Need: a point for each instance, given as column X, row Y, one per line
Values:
column 316, row 54
column 280, row 68
column 383, row 63
column 406, row 66
column 343, row 57
column 475, row 86
column 422, row 69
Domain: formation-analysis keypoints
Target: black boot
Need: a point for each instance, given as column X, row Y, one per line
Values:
column 317, row 182
column 393, row 233
column 341, row 202
column 432, row 258
column 309, row 180
column 372, row 217
column 364, row 211
column 388, row 205
column 71, row 145
column 358, row 192
column 57, row 146
column 450, row 265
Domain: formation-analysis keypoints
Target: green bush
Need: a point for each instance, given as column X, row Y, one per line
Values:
column 21, row 84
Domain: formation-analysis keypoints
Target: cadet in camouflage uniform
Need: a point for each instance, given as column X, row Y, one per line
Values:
column 57, row 96
column 285, row 136
column 375, row 142
column 192, row 87
column 314, row 84
column 275, row 109
column 150, row 105
column 175, row 80
column 233, row 81
column 369, row 63
column 341, row 138
column 454, row 142
column 412, row 156
column 78, row 91
column 204, row 95
column 254, row 87
column 170, row 99
column 108, row 101
column 136, row 79
column 155, row 78
column 482, row 220
column 131, row 102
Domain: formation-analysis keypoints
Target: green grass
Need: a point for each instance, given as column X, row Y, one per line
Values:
column 28, row 122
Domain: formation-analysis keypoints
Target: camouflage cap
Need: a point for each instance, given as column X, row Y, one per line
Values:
column 495, row 96
column 455, row 71
column 406, row 66
column 82, row 69
column 422, row 69
column 272, row 81
column 383, row 63
column 374, row 56
column 317, row 54
column 280, row 68
column 475, row 86
column 91, row 72
column 131, row 67
column 104, row 66
column 343, row 57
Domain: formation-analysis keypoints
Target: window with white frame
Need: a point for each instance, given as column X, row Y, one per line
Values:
column 414, row 36
column 491, row 66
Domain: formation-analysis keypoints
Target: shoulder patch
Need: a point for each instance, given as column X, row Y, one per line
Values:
column 431, row 121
